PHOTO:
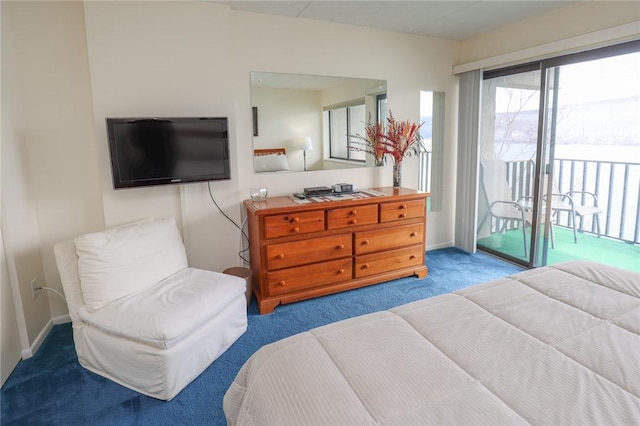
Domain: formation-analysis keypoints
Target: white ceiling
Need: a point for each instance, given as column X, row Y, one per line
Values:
column 449, row 19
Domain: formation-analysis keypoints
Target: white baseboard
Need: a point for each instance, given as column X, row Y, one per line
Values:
column 28, row 353
column 439, row 246
column 62, row 319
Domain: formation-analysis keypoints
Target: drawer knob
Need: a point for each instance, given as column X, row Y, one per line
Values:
column 354, row 222
column 341, row 271
column 403, row 215
column 354, row 212
column 281, row 283
column 403, row 206
column 365, row 242
column 295, row 220
column 365, row 266
column 412, row 257
column 281, row 256
column 340, row 247
column 296, row 229
column 414, row 234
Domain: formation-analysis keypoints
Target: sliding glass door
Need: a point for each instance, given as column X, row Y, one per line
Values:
column 592, row 179
column 560, row 159
column 509, row 129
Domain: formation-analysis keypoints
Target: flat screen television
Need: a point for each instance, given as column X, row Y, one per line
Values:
column 161, row 151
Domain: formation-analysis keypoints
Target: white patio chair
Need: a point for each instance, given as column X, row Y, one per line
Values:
column 567, row 202
column 500, row 204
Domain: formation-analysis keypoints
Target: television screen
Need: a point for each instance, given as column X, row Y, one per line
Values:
column 160, row 151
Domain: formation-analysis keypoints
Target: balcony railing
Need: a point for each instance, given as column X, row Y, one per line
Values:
column 616, row 185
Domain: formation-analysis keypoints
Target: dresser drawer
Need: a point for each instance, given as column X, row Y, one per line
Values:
column 389, row 238
column 371, row 264
column 402, row 210
column 302, row 277
column 293, row 224
column 352, row 216
column 294, row 253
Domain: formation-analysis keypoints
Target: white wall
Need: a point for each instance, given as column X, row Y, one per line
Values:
column 56, row 128
column 10, row 350
column 167, row 59
column 21, row 237
column 10, row 343
column 49, row 184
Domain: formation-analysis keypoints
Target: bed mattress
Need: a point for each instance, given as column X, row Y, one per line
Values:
column 553, row 345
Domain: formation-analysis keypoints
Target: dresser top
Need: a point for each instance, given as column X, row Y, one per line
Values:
column 276, row 204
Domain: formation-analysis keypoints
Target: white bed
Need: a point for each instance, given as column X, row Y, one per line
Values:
column 270, row 160
column 555, row 345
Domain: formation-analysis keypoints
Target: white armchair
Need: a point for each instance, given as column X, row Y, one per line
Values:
column 141, row 317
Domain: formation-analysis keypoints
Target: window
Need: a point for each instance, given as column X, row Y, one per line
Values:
column 344, row 122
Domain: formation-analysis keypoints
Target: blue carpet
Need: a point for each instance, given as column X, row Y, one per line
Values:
column 52, row 389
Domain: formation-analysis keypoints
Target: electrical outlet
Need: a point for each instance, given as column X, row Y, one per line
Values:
column 34, row 288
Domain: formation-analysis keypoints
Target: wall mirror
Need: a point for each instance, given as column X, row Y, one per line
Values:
column 302, row 122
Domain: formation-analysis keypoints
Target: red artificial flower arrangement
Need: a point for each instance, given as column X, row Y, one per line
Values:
column 398, row 139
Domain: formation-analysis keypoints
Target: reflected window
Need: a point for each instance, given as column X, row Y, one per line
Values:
column 344, row 122
column 381, row 108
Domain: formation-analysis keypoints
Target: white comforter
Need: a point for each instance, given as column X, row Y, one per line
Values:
column 556, row 345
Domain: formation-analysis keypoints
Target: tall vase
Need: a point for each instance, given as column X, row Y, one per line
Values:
column 397, row 174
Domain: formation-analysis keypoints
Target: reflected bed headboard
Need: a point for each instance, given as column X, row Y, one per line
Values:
column 269, row 151
column 270, row 160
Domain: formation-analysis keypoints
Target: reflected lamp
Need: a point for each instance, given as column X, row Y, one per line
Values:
column 302, row 143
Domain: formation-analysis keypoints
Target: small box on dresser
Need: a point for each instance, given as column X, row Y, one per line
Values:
column 301, row 251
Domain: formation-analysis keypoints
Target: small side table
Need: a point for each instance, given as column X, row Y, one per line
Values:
column 241, row 272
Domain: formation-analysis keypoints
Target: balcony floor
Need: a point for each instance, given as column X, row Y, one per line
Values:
column 590, row 247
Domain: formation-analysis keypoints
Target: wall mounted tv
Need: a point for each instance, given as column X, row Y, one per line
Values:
column 161, row 151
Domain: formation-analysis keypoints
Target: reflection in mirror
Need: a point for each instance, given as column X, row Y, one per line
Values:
column 319, row 110
column 432, row 132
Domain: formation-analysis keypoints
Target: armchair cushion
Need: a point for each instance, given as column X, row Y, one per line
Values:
column 122, row 261
column 169, row 311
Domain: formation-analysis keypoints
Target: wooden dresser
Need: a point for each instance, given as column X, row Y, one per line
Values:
column 301, row 251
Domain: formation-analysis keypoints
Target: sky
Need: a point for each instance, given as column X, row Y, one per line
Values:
column 602, row 79
column 609, row 78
